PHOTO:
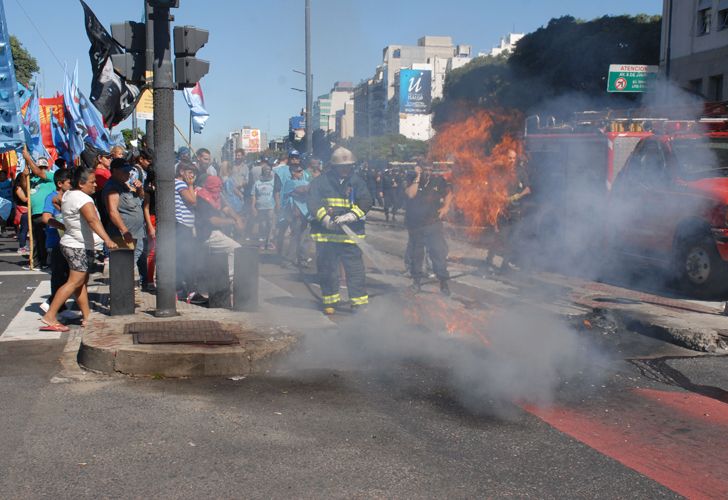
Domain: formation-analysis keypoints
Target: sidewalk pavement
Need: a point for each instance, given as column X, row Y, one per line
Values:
column 263, row 336
column 696, row 325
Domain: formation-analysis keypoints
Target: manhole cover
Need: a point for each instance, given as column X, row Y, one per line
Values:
column 180, row 332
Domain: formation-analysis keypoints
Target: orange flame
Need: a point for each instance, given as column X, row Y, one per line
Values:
column 478, row 145
column 437, row 314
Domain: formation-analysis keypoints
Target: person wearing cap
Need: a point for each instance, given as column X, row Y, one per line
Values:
column 102, row 170
column 339, row 199
column 281, row 174
column 123, row 215
column 41, row 185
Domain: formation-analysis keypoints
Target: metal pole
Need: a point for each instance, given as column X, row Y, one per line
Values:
column 668, row 50
column 148, row 15
column 164, row 165
column 189, row 133
column 309, row 82
column 30, row 216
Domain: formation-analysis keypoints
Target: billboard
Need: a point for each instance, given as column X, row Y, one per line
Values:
column 415, row 91
column 250, row 140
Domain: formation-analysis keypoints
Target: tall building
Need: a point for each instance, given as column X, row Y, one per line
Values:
column 328, row 105
column 506, row 44
column 378, row 100
column 694, row 46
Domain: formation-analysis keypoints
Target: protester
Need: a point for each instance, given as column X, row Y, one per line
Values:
column 428, row 202
column 124, row 214
column 102, row 170
column 281, row 174
column 204, row 162
column 232, row 193
column 150, row 218
column 294, row 209
column 264, row 206
column 20, row 221
column 53, row 220
column 83, row 233
column 508, row 221
column 185, row 201
column 390, row 186
column 117, row 152
column 6, row 200
column 213, row 219
column 41, row 185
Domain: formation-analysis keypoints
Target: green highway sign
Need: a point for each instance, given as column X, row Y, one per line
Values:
column 630, row 77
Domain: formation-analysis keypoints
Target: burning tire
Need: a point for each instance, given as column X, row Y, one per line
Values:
column 699, row 268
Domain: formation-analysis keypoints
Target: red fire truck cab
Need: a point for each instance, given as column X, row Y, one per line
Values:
column 654, row 189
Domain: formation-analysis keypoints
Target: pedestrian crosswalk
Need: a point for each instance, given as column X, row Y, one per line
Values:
column 25, row 325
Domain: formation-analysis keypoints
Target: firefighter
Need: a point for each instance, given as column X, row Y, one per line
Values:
column 336, row 198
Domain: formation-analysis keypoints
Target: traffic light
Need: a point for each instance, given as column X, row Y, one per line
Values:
column 188, row 70
column 132, row 63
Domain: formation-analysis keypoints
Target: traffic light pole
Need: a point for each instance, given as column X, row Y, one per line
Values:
column 164, row 162
column 309, row 82
column 148, row 15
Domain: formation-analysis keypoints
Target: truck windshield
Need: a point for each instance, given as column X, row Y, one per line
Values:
column 701, row 158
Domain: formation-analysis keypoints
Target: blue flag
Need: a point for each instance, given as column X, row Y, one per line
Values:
column 60, row 140
column 31, row 124
column 96, row 133
column 74, row 121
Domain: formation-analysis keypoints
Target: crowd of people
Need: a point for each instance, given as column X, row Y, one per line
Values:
column 283, row 204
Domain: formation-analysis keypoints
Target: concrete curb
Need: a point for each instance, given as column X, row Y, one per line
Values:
column 105, row 348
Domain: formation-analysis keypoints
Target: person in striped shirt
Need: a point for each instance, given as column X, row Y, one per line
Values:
column 185, row 200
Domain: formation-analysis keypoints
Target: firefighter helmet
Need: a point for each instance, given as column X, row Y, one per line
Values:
column 342, row 156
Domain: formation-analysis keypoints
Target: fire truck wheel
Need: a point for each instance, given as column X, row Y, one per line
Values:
column 699, row 268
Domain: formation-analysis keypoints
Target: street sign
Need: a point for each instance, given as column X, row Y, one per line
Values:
column 145, row 106
column 630, row 77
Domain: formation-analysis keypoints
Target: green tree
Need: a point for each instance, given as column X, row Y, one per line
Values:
column 385, row 148
column 25, row 64
column 562, row 66
column 128, row 135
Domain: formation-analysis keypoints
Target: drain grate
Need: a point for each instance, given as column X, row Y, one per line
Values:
column 180, row 332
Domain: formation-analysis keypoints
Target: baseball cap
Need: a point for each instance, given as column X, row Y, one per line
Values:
column 41, row 162
column 293, row 153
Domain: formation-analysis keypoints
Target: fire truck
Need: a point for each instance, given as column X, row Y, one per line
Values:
column 635, row 185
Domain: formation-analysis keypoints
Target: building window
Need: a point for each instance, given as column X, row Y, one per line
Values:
column 696, row 86
column 704, row 21
column 396, row 54
column 715, row 88
column 722, row 19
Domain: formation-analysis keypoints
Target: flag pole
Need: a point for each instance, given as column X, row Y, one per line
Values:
column 30, row 211
column 189, row 132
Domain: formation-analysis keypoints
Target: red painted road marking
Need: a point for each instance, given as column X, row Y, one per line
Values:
column 663, row 435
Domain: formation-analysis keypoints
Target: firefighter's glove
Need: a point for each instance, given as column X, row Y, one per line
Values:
column 347, row 218
column 328, row 223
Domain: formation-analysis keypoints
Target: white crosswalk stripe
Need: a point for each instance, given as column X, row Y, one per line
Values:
column 25, row 326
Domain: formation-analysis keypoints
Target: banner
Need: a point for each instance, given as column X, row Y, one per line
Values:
column 415, row 91
column 31, row 125
column 11, row 131
column 50, row 107
column 196, row 101
column 112, row 96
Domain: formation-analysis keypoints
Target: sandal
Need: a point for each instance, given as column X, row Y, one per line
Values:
column 58, row 327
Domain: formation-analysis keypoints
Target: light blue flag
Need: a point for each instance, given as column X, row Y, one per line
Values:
column 74, row 121
column 96, row 133
column 31, row 124
column 60, row 140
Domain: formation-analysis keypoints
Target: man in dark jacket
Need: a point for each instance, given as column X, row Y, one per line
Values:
column 338, row 201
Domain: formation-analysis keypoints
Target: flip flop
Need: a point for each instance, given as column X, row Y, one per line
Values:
column 54, row 328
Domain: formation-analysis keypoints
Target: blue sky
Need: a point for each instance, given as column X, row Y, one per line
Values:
column 254, row 45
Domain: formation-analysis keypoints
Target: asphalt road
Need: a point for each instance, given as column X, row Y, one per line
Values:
column 369, row 426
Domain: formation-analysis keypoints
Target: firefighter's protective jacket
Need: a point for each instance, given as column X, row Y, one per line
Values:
column 330, row 195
